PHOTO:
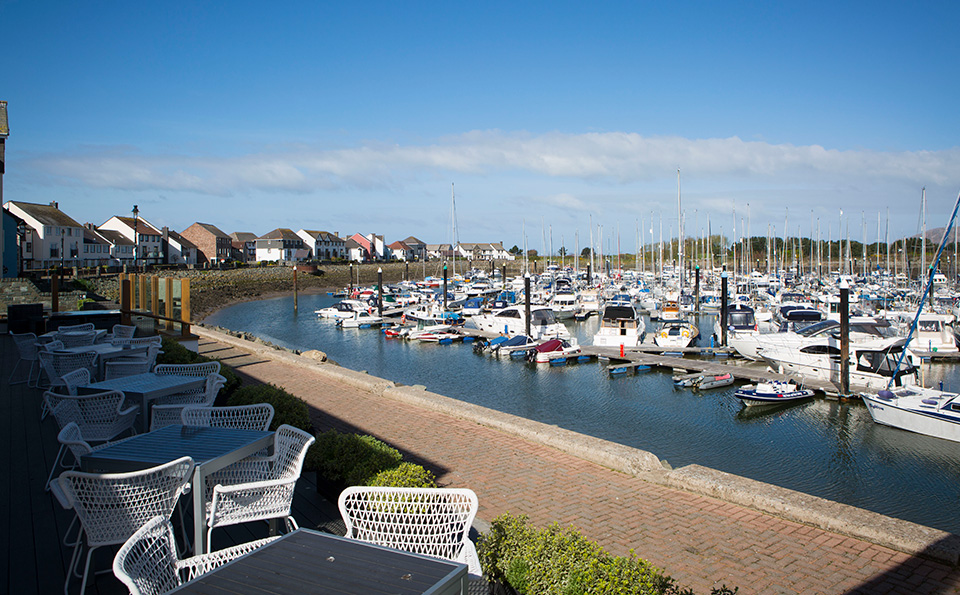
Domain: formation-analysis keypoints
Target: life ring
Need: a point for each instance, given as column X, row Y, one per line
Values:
column 686, row 333
column 663, row 334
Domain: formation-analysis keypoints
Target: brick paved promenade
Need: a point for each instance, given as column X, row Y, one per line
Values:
column 700, row 541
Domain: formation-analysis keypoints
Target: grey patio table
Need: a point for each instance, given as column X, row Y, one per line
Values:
column 211, row 449
column 148, row 387
column 307, row 562
column 106, row 352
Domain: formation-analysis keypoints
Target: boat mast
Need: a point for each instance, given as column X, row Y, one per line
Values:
column 679, row 234
column 593, row 267
column 923, row 233
column 453, row 228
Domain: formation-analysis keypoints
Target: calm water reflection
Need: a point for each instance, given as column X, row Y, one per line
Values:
column 820, row 447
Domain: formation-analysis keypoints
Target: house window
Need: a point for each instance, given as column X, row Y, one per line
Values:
column 54, row 252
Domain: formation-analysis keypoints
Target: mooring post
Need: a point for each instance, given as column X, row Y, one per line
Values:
column 723, row 309
column 526, row 291
column 295, row 289
column 406, row 270
column 844, row 338
column 380, row 291
column 503, row 276
column 589, row 274
column 444, row 287
column 696, row 291
column 351, row 279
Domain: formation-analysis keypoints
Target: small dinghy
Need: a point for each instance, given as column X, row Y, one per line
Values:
column 708, row 381
column 553, row 349
column 768, row 393
column 516, row 346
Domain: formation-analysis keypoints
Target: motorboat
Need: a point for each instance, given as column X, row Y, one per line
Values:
column 343, row 309
column 553, row 349
column 564, row 305
column 434, row 334
column 932, row 335
column 430, row 313
column 676, row 334
column 360, row 320
column 708, row 381
column 512, row 321
column 873, row 363
column 515, row 346
column 862, row 328
column 619, row 326
column 771, row 393
column 917, row 409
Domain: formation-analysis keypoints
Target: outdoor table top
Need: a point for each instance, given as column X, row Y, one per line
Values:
column 106, row 349
column 202, row 444
column 148, row 382
column 306, row 561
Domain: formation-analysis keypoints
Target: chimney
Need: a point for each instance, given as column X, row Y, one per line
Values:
column 54, row 204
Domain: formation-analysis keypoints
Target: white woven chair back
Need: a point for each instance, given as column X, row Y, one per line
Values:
column 241, row 417
column 71, row 437
column 57, row 363
column 77, row 338
column 429, row 521
column 112, row 506
column 138, row 341
column 99, row 416
column 147, row 562
column 76, row 328
column 201, row 369
column 52, row 346
column 123, row 331
column 290, row 448
column 75, row 379
column 26, row 345
column 121, row 369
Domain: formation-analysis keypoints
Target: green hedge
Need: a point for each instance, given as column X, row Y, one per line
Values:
column 559, row 560
column 350, row 458
column 287, row 409
column 405, row 475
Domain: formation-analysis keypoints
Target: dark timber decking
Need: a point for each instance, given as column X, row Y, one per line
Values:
column 33, row 559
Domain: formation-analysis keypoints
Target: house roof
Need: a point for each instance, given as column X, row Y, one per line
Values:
column 47, row 214
column 4, row 125
column 184, row 242
column 435, row 247
column 243, row 236
column 323, row 236
column 352, row 244
column 412, row 241
column 280, row 233
column 398, row 245
column 140, row 225
column 114, row 237
column 211, row 228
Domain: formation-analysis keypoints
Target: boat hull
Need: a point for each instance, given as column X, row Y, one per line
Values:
column 932, row 422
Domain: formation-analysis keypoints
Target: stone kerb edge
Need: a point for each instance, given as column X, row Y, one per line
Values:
column 897, row 534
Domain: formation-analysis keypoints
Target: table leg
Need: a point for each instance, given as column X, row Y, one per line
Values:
column 199, row 513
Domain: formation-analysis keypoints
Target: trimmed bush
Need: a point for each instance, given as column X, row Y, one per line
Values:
column 561, row 560
column 350, row 458
column 405, row 475
column 287, row 408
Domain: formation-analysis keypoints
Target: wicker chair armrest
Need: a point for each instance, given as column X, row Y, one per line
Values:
column 62, row 497
column 251, row 501
column 201, row 564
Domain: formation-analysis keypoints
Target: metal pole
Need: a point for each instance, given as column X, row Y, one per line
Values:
column 444, row 287
column 295, row 305
column 351, row 279
column 844, row 338
column 526, row 291
column 697, row 290
column 380, row 291
column 723, row 309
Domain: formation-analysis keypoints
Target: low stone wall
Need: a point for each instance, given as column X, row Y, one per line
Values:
column 22, row 291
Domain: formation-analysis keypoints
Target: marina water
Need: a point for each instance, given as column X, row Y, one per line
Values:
column 821, row 447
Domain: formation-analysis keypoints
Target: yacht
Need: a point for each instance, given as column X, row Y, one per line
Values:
column 676, row 333
column 343, row 309
column 619, row 326
column 512, row 321
column 917, row 409
column 564, row 304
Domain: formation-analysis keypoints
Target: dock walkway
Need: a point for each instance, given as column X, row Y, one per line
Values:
column 701, row 541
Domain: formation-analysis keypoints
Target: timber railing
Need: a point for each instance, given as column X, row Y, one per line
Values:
column 165, row 300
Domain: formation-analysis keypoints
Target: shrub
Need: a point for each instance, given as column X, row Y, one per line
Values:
column 175, row 353
column 350, row 458
column 287, row 408
column 405, row 475
column 560, row 560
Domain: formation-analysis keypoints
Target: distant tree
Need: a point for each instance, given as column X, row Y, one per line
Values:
column 562, row 251
column 531, row 253
column 516, row 251
column 585, row 252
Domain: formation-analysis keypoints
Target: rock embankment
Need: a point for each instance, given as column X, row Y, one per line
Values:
column 214, row 289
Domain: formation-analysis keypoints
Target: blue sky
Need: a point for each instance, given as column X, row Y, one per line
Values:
column 359, row 116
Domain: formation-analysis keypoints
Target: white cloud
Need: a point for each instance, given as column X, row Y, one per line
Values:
column 611, row 157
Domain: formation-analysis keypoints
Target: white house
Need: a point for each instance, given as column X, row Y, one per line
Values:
column 323, row 245
column 121, row 248
column 96, row 249
column 53, row 237
column 147, row 238
column 178, row 249
column 281, row 245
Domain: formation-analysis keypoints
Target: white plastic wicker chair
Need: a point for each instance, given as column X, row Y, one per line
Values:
column 121, row 368
column 122, row 331
column 77, row 338
column 201, row 369
column 100, row 416
column 53, row 345
column 76, row 328
column 430, row 521
column 242, row 417
column 259, row 488
column 148, row 563
column 113, row 506
column 57, row 363
column 27, row 349
column 138, row 341
column 71, row 382
column 166, row 410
